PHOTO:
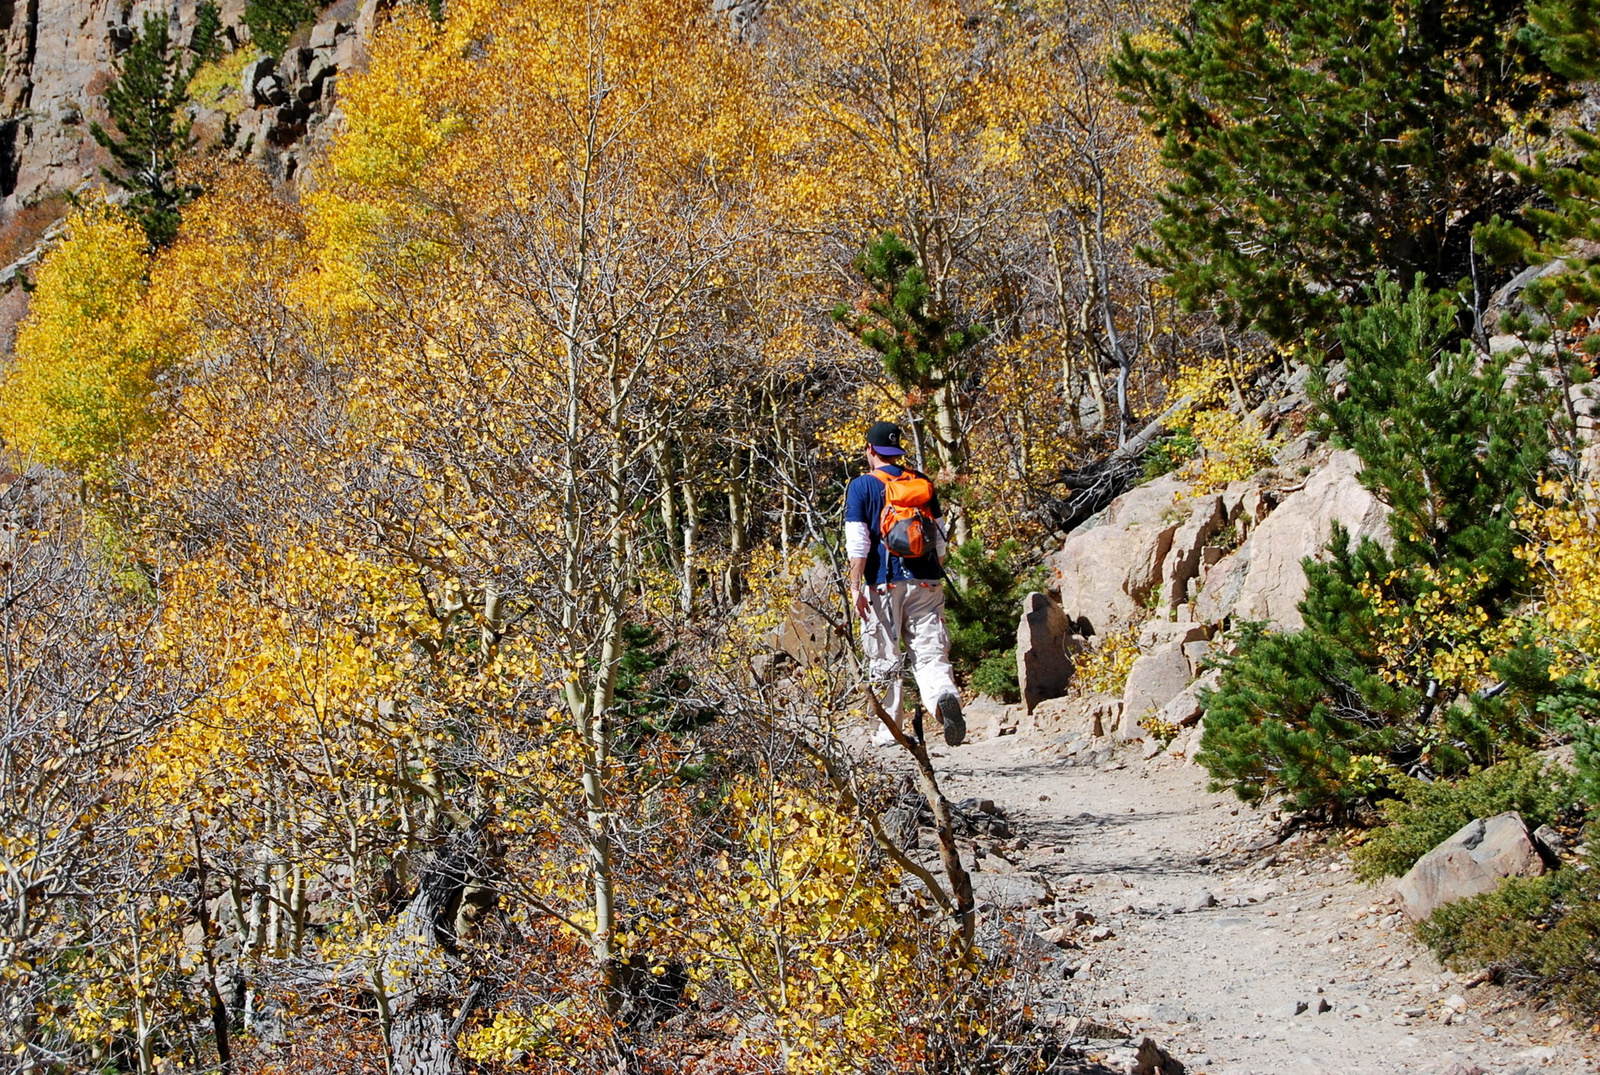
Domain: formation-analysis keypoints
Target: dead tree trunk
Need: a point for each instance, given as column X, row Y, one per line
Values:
column 955, row 873
column 429, row 987
column 1092, row 488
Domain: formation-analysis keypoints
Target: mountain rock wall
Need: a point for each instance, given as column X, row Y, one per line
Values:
column 59, row 57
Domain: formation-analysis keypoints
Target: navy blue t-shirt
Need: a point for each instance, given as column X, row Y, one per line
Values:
column 864, row 499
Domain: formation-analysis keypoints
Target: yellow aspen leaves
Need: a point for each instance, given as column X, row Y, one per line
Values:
column 1566, row 553
column 88, row 354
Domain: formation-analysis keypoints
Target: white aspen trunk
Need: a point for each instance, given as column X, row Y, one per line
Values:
column 1080, row 320
column 1086, row 328
column 667, row 481
column 691, row 533
column 1113, row 336
column 144, row 1040
column 947, row 437
column 738, row 524
column 786, row 512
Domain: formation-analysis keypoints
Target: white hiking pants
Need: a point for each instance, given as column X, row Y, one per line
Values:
column 911, row 613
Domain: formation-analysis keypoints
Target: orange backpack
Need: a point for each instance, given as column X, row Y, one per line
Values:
column 906, row 525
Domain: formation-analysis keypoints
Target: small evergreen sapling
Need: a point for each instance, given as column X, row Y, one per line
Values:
column 206, row 41
column 145, row 103
column 981, row 608
column 1390, row 667
column 921, row 346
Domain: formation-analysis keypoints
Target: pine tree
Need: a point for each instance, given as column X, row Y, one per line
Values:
column 152, row 132
column 206, row 40
column 1319, row 145
column 1293, row 710
column 1385, row 672
column 921, row 346
column 1443, row 440
column 1567, row 34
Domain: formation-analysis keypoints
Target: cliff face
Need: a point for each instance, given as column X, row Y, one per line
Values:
column 58, row 57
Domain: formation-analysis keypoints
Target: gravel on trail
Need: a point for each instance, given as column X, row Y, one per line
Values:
column 1238, row 942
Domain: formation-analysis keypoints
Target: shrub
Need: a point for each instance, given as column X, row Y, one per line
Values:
column 1424, row 813
column 272, row 22
column 26, row 226
column 1104, row 666
column 216, row 84
column 1231, row 449
column 981, row 607
column 1170, row 452
column 1539, row 933
column 996, row 676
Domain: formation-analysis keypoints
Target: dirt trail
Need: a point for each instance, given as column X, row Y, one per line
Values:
column 1140, row 844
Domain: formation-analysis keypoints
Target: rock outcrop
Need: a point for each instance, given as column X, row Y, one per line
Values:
column 1263, row 579
column 1477, row 858
column 1150, row 538
column 1185, row 566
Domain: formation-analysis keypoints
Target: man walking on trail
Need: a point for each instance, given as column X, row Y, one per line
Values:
column 895, row 541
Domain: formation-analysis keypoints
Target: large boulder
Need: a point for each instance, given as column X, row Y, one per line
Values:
column 1184, row 708
column 1111, row 563
column 1263, row 579
column 1156, row 634
column 1473, row 861
column 1153, row 681
column 1044, row 660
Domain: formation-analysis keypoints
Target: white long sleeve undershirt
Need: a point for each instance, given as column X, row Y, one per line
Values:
column 857, row 541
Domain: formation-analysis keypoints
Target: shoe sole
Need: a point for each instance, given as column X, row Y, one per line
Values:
column 955, row 725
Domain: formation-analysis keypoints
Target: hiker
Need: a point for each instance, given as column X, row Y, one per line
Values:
column 895, row 541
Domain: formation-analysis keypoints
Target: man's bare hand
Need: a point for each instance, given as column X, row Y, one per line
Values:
column 862, row 607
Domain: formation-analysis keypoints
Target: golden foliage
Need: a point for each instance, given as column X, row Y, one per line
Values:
column 1103, row 668
column 1443, row 633
column 536, row 361
column 1233, row 446
column 1566, row 551
column 89, row 352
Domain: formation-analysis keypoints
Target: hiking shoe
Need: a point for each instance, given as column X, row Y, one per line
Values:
column 955, row 725
column 883, row 737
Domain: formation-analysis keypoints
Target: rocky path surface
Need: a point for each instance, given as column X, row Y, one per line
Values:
column 1239, row 947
